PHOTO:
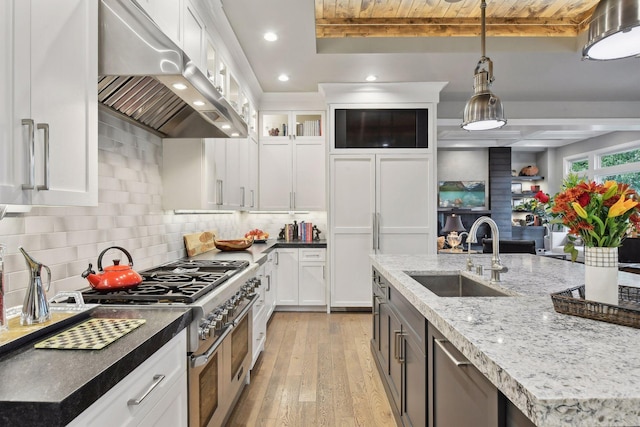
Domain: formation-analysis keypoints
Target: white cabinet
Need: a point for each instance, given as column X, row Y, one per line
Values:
column 271, row 286
column 49, row 132
column 380, row 203
column 193, row 36
column 260, row 313
column 292, row 170
column 166, row 14
column 154, row 394
column 300, row 125
column 301, row 276
column 208, row 168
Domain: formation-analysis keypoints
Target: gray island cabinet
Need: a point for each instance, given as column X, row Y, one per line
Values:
column 499, row 360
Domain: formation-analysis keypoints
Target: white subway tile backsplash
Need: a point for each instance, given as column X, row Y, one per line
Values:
column 10, row 226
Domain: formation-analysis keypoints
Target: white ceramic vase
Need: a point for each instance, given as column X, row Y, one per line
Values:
column 601, row 274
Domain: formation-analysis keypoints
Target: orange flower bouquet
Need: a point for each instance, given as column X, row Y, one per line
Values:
column 601, row 214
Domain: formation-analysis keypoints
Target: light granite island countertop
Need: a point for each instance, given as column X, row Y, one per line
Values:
column 559, row 370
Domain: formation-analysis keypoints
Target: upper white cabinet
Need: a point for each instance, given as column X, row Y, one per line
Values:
column 166, row 14
column 194, row 37
column 204, row 173
column 292, row 168
column 49, row 137
column 301, row 125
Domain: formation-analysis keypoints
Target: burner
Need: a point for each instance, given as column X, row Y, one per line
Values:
column 182, row 281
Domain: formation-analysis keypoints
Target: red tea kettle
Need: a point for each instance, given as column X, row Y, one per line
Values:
column 114, row 277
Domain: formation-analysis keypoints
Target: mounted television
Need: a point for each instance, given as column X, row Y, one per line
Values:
column 381, row 128
column 461, row 194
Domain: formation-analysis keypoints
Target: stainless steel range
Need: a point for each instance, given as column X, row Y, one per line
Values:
column 221, row 295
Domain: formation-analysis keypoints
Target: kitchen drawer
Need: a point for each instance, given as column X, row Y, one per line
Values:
column 259, row 335
column 113, row 408
column 312, row 254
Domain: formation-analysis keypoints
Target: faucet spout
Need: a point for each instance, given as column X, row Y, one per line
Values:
column 496, row 264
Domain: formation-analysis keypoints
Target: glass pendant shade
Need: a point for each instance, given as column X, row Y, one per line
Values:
column 614, row 31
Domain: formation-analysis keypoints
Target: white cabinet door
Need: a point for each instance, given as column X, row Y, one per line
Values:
column 287, row 270
column 163, row 376
column 193, row 37
column 231, row 177
column 251, row 192
column 271, row 284
column 276, row 175
column 311, row 283
column 54, row 121
column 309, row 176
column 13, row 136
column 351, row 235
column 166, row 14
column 404, row 204
column 382, row 203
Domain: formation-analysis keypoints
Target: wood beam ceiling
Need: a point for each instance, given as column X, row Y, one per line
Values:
column 438, row 18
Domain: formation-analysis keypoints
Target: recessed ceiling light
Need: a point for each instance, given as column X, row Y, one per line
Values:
column 225, row 127
column 180, row 86
column 283, row 78
column 270, row 37
column 371, row 78
column 235, row 134
column 198, row 103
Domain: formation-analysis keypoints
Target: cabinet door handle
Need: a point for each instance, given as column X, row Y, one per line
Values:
column 243, row 196
column 268, row 282
column 45, row 128
column 378, row 231
column 373, row 231
column 323, row 276
column 290, row 200
column 31, row 161
column 253, row 198
column 157, row 379
column 294, row 199
column 277, row 258
column 440, row 343
column 219, row 195
column 396, row 340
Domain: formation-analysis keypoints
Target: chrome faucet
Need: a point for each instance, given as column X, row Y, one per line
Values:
column 496, row 265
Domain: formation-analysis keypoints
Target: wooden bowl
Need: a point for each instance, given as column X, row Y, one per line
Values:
column 233, row 245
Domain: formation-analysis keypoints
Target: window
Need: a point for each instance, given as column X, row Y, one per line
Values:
column 621, row 158
column 633, row 179
column 579, row 165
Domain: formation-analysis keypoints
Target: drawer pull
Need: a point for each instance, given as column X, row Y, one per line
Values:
column 451, row 357
column 157, row 379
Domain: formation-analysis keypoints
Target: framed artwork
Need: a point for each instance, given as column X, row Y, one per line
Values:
column 461, row 194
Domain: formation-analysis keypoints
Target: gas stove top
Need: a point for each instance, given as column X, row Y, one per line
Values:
column 181, row 281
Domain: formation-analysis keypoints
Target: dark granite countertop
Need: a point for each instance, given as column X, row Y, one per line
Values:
column 258, row 251
column 51, row 387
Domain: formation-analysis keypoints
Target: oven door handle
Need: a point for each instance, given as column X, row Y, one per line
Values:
column 202, row 359
column 245, row 310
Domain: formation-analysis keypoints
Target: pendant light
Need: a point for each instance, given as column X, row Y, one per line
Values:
column 614, row 31
column 484, row 110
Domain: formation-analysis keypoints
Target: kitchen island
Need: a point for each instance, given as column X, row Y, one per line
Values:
column 558, row 370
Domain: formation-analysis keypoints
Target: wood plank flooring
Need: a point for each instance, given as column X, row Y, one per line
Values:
column 316, row 370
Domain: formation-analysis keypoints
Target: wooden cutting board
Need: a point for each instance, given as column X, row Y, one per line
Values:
column 198, row 243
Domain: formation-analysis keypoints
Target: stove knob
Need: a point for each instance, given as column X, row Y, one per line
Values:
column 225, row 315
column 204, row 331
column 217, row 323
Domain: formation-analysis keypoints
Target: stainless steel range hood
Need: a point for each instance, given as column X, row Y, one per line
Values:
column 147, row 78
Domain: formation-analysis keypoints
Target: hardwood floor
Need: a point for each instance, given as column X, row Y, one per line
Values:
column 317, row 370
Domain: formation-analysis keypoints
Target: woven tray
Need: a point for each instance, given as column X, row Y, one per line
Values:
column 627, row 312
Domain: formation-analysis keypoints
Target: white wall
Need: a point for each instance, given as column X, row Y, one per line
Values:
column 129, row 214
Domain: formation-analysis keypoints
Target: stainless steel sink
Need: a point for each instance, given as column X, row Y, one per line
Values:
column 456, row 285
